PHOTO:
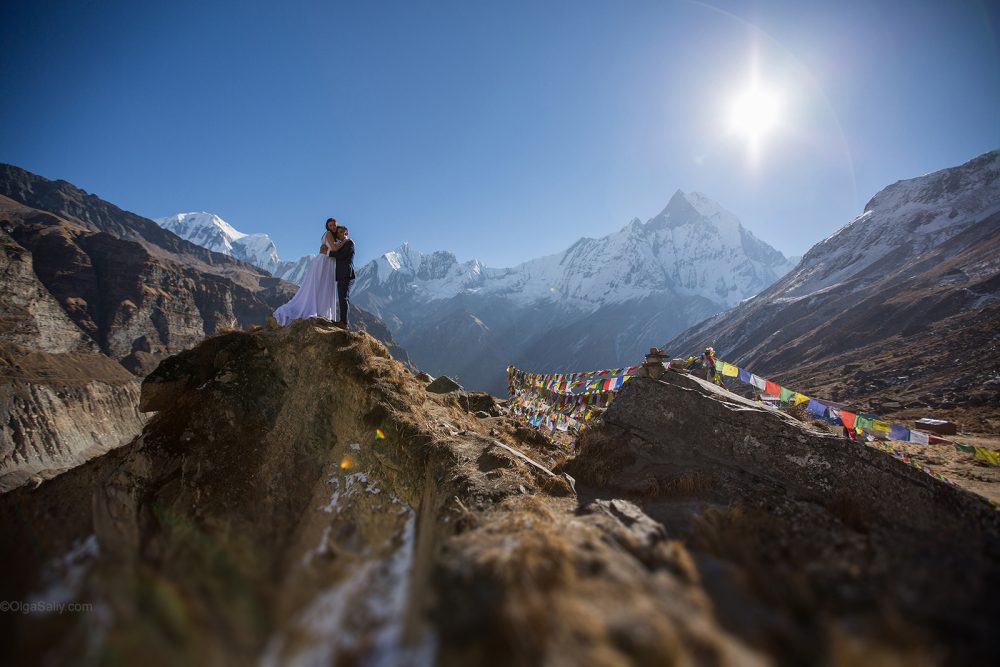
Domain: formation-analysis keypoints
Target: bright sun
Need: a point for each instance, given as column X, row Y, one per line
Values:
column 753, row 114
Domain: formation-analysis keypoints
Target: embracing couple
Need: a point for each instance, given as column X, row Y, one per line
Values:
column 327, row 282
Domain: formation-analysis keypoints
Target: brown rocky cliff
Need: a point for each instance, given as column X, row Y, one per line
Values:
column 61, row 410
column 29, row 315
column 61, row 401
column 262, row 517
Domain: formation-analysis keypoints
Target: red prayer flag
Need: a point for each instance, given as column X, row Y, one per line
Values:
column 847, row 418
column 772, row 388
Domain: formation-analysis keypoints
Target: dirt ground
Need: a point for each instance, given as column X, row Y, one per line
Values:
column 960, row 467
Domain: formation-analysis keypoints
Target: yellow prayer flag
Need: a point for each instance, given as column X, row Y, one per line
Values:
column 729, row 370
column 989, row 456
column 801, row 398
column 880, row 426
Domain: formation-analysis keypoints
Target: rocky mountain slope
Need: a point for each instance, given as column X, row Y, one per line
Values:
column 301, row 498
column 81, row 277
column 898, row 310
column 599, row 303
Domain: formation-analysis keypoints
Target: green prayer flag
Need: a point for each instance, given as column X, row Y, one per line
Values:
column 786, row 395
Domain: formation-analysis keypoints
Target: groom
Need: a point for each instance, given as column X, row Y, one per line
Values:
column 344, row 274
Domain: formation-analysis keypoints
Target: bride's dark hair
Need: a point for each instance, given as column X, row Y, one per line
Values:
column 327, row 225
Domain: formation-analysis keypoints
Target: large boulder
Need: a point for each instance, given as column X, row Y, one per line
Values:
column 816, row 532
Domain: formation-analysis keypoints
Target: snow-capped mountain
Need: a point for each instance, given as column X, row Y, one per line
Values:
column 601, row 302
column 693, row 248
column 922, row 259
column 212, row 232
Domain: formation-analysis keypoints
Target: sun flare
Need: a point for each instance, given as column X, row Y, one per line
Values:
column 755, row 113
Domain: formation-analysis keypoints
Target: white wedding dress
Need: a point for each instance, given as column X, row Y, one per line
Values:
column 317, row 296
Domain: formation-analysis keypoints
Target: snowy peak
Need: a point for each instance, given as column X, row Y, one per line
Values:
column 963, row 185
column 210, row 231
column 433, row 275
column 901, row 222
column 695, row 209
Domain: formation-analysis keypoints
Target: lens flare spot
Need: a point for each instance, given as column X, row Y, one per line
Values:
column 348, row 462
column 379, row 434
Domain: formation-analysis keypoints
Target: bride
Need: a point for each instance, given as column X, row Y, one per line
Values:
column 317, row 296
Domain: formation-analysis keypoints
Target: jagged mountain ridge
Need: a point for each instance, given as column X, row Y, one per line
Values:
column 897, row 303
column 693, row 247
column 599, row 303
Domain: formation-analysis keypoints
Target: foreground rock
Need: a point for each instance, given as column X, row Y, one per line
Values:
column 262, row 517
column 811, row 548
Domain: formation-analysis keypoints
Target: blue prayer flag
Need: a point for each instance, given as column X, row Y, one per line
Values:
column 897, row 432
column 744, row 376
column 816, row 407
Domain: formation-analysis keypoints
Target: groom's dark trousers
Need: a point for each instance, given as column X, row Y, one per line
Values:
column 343, row 299
column 345, row 277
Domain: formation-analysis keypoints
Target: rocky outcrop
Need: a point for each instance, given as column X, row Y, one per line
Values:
column 805, row 534
column 300, row 497
column 61, row 410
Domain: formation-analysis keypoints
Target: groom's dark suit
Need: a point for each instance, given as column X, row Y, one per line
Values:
column 344, row 276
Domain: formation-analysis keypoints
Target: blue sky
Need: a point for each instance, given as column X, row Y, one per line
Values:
column 497, row 130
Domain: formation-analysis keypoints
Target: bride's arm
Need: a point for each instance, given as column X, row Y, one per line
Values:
column 329, row 243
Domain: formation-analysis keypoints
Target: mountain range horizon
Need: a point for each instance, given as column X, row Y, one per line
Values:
column 211, row 231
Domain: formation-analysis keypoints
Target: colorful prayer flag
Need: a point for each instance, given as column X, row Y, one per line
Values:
column 771, row 388
column 897, row 432
column 758, row 382
column 729, row 370
column 786, row 395
column 848, row 419
column 919, row 437
column 989, row 456
column 816, row 408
